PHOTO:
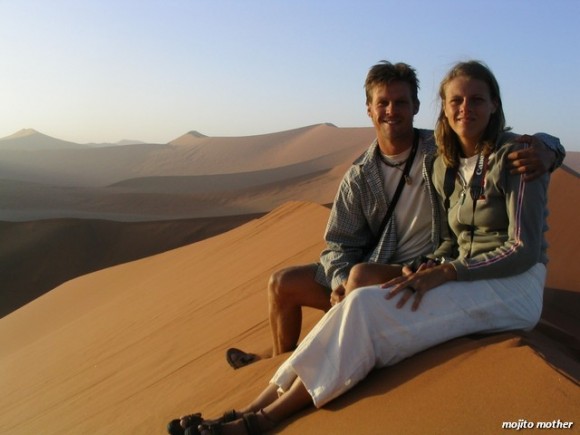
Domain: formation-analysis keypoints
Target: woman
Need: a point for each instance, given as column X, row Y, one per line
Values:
column 487, row 276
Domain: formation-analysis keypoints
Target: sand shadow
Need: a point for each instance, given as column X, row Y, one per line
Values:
column 560, row 351
column 381, row 381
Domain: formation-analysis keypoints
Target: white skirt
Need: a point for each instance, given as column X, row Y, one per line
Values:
column 366, row 331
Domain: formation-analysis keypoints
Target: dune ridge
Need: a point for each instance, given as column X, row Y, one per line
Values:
column 29, row 139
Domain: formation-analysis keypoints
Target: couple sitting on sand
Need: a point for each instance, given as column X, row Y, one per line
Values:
column 424, row 244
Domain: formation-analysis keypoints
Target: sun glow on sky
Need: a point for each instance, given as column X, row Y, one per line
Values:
column 151, row 70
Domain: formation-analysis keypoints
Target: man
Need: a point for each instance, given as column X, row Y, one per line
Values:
column 361, row 249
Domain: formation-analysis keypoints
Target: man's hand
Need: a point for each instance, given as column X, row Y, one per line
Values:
column 533, row 161
column 337, row 295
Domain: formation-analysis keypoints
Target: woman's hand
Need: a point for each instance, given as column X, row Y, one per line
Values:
column 415, row 285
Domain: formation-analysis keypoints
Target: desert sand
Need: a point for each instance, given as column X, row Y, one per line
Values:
column 190, row 177
column 57, row 250
column 126, row 348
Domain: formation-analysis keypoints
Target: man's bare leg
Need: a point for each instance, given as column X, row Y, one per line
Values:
column 289, row 290
column 365, row 274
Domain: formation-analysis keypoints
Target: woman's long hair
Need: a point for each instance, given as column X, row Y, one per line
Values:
column 447, row 141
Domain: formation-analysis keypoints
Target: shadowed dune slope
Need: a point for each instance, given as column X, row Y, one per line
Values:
column 164, row 198
column 37, row 256
column 125, row 349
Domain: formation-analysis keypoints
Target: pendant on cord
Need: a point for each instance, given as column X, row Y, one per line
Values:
column 408, row 180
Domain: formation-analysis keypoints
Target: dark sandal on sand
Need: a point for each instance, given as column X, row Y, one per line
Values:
column 238, row 358
column 250, row 423
column 194, row 420
column 174, row 426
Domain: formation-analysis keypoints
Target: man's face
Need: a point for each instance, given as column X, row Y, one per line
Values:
column 392, row 110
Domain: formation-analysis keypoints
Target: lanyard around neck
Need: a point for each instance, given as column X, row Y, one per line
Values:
column 402, row 181
column 476, row 189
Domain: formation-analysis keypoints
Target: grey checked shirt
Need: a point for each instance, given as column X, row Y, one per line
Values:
column 358, row 211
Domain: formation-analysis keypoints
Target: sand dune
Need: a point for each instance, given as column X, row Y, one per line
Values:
column 188, row 178
column 29, row 139
column 127, row 348
column 252, row 153
column 572, row 161
column 108, row 165
column 123, row 349
column 58, row 250
column 223, row 182
column 193, row 176
column 76, row 167
column 563, row 196
column 164, row 198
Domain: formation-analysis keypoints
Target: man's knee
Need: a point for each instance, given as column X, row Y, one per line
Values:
column 294, row 286
column 358, row 276
column 284, row 282
column 276, row 284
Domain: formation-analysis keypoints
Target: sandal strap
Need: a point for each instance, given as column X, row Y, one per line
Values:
column 193, row 420
column 230, row 416
column 251, row 423
column 213, row 429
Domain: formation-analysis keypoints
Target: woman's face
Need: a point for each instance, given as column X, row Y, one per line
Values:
column 468, row 107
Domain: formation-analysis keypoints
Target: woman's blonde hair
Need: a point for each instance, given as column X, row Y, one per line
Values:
column 447, row 140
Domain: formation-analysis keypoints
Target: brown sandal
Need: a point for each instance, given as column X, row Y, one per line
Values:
column 174, row 426
column 194, row 420
column 237, row 358
column 250, row 422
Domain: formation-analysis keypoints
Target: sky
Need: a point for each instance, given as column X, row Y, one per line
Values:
column 152, row 70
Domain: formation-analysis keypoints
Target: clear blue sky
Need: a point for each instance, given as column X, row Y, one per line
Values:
column 106, row 70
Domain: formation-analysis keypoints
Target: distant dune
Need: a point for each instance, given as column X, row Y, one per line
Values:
column 184, row 179
column 192, row 176
column 90, row 167
column 29, row 140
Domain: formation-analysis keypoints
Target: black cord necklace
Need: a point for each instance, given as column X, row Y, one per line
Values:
column 408, row 160
column 391, row 164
